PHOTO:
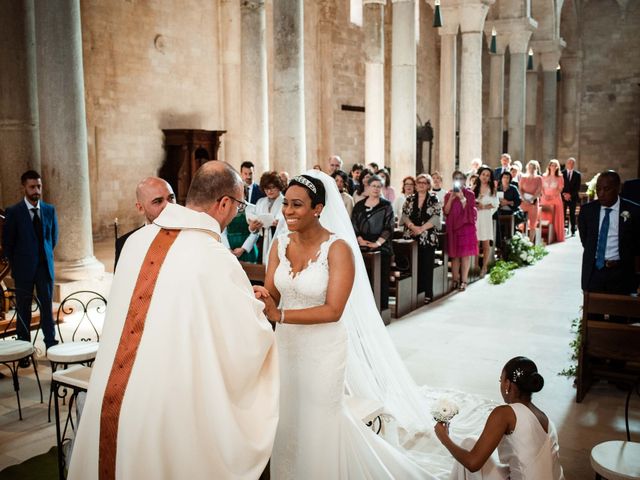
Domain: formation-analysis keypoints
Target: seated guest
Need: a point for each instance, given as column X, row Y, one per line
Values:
column 362, row 190
column 462, row 241
column 526, row 439
column 408, row 189
column 152, row 195
column 552, row 186
column 373, row 222
column 609, row 229
column 342, row 179
column 271, row 205
column 531, row 190
column 388, row 191
column 354, row 177
column 421, row 219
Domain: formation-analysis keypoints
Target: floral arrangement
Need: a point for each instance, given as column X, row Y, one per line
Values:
column 444, row 410
column 501, row 272
column 591, row 186
column 522, row 251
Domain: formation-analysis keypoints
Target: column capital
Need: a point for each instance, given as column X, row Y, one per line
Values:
column 517, row 30
column 550, row 52
column 473, row 14
column 252, row 4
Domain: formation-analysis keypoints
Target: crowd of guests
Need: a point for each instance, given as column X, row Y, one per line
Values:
column 470, row 208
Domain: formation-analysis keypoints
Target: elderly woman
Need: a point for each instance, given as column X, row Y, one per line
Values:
column 421, row 219
column 342, row 180
column 373, row 222
column 269, row 209
column 462, row 240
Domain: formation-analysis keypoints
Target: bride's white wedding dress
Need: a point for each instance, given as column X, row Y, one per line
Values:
column 317, row 435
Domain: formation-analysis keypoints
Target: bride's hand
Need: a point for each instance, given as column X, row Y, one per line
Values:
column 260, row 292
column 442, row 430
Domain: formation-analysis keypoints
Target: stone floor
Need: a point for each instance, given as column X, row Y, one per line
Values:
column 459, row 342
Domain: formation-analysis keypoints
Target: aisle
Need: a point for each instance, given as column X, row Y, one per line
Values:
column 464, row 340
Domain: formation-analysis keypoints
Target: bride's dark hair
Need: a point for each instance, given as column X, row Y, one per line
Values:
column 524, row 373
column 319, row 196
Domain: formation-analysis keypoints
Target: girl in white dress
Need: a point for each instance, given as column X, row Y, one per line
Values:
column 487, row 204
column 526, row 439
column 317, row 436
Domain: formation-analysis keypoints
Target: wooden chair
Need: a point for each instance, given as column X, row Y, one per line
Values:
column 546, row 226
column 606, row 344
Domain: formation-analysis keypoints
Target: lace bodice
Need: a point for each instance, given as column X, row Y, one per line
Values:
column 307, row 288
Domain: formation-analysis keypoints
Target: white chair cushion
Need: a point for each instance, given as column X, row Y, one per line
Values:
column 617, row 460
column 72, row 352
column 12, row 350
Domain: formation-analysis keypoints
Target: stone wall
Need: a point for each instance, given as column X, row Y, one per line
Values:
column 610, row 95
column 148, row 66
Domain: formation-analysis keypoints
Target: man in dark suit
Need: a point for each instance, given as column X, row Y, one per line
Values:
column 631, row 190
column 571, row 191
column 152, row 195
column 505, row 166
column 610, row 234
column 252, row 191
column 29, row 236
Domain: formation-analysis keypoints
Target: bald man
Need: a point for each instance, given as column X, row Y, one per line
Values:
column 152, row 195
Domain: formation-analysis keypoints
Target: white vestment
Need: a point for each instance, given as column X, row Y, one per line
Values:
column 202, row 398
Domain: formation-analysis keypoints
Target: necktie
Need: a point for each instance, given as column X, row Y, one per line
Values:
column 37, row 227
column 569, row 176
column 246, row 193
column 602, row 239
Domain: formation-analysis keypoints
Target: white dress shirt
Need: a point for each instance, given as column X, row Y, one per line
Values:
column 30, row 206
column 612, row 251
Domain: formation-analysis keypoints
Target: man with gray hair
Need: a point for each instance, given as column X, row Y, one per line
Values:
column 333, row 164
column 185, row 384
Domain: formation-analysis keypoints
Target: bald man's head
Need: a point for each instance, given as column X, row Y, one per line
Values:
column 152, row 195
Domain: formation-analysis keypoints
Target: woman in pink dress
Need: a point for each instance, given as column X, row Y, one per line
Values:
column 462, row 239
column 552, row 185
column 531, row 190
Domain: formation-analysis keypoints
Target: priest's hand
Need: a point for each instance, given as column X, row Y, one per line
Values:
column 260, row 292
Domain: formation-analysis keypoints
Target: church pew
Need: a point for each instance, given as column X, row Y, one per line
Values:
column 608, row 350
column 372, row 263
column 255, row 271
column 406, row 285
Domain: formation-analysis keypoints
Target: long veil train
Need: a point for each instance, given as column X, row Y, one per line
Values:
column 374, row 367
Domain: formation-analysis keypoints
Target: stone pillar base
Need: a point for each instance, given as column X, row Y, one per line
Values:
column 87, row 268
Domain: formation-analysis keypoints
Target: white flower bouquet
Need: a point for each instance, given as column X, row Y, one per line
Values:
column 444, row 410
column 522, row 251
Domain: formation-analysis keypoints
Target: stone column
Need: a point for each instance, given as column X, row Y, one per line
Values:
column 532, row 151
column 472, row 16
column 255, row 110
column 569, row 110
column 448, row 97
column 288, row 81
column 63, row 135
column 496, row 102
column 230, row 24
column 403, row 91
column 326, row 19
column 19, row 143
column 549, row 61
column 518, row 49
column 374, row 81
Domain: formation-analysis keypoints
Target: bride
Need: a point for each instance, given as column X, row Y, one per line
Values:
column 331, row 341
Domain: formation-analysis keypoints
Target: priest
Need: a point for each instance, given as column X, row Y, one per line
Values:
column 185, row 383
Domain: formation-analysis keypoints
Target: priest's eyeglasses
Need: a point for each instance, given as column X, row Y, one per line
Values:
column 242, row 204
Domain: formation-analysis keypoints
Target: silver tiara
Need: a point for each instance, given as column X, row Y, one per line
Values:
column 517, row 373
column 305, row 182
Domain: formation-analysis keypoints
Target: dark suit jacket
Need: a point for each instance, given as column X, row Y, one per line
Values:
column 20, row 243
column 631, row 190
column 255, row 193
column 573, row 186
column 628, row 237
column 120, row 243
column 497, row 173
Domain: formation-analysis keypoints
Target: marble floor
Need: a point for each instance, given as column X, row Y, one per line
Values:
column 459, row 342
